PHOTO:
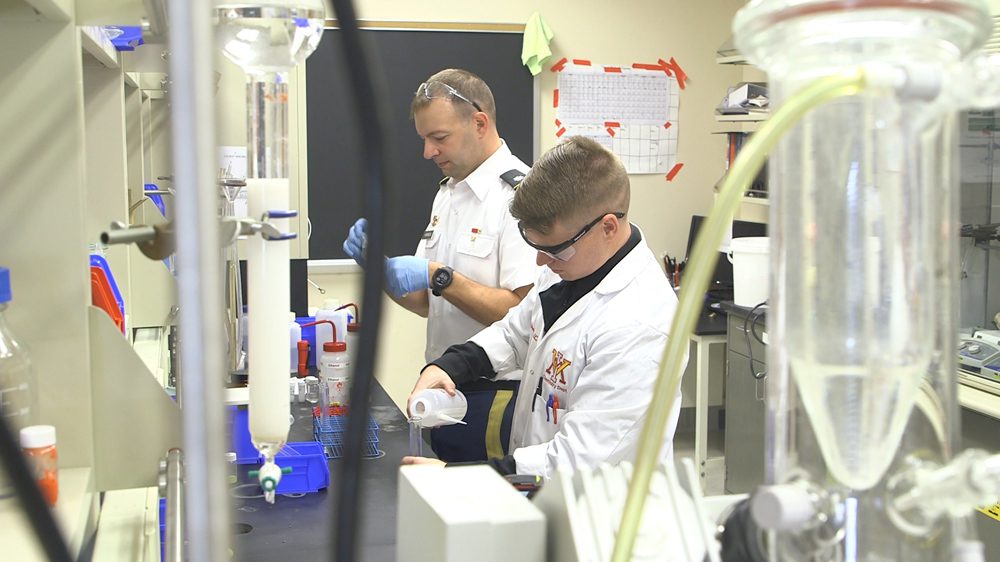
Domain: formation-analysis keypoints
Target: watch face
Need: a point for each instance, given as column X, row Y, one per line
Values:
column 441, row 277
column 441, row 280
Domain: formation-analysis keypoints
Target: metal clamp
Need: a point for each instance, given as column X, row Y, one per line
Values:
column 155, row 242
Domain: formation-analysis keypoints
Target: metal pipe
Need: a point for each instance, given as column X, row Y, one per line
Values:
column 128, row 235
column 174, row 533
column 202, row 356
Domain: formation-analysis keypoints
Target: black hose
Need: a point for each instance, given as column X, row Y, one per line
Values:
column 39, row 515
column 369, row 98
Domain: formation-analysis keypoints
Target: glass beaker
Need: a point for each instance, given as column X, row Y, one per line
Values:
column 416, row 436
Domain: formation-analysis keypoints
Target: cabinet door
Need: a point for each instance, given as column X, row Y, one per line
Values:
column 744, row 424
column 738, row 336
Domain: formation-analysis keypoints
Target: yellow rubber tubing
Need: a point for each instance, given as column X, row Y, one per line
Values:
column 696, row 278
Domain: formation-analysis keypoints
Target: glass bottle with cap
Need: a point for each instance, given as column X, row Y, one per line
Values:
column 18, row 402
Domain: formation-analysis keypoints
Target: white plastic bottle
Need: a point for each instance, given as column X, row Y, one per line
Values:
column 324, row 333
column 434, row 407
column 334, row 369
column 294, row 335
column 353, row 340
column 18, row 388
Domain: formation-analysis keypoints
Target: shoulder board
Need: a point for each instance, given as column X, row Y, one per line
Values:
column 512, row 178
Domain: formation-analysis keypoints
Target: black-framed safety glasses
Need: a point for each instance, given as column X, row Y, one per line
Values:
column 439, row 90
column 565, row 250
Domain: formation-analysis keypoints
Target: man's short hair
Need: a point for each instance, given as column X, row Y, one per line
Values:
column 574, row 182
column 466, row 84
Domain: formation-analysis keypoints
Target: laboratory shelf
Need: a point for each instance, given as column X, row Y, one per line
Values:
column 742, row 117
column 76, row 514
column 50, row 10
column 978, row 400
column 96, row 44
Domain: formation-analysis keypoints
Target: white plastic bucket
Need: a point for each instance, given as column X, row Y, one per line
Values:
column 749, row 257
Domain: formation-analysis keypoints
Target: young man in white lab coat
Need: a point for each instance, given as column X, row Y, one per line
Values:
column 588, row 336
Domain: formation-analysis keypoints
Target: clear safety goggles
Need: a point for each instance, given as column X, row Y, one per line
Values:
column 565, row 250
column 439, row 90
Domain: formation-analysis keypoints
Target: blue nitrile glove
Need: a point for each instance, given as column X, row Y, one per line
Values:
column 406, row 274
column 357, row 241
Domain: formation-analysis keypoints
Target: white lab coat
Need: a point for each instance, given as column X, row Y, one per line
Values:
column 600, row 359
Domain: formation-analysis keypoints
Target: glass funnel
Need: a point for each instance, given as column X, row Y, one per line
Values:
column 267, row 39
column 863, row 231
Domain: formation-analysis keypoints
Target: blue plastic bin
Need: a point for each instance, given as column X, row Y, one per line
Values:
column 163, row 526
column 97, row 260
column 240, row 442
column 310, row 472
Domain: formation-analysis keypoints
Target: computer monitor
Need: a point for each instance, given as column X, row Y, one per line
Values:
column 721, row 285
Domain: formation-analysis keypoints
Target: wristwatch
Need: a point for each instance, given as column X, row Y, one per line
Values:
column 441, row 280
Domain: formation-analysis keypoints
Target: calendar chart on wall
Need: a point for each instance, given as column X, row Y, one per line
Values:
column 631, row 111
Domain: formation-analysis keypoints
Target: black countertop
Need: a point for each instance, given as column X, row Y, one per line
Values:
column 299, row 528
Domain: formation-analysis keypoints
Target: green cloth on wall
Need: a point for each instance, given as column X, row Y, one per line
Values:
column 535, row 50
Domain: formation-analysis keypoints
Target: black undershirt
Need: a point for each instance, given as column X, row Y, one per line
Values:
column 466, row 362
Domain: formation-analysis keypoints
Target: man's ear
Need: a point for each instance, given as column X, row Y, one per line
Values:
column 610, row 227
column 481, row 121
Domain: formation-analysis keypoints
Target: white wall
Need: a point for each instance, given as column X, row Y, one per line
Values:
column 604, row 32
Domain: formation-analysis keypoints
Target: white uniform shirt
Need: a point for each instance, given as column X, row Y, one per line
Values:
column 472, row 231
column 600, row 359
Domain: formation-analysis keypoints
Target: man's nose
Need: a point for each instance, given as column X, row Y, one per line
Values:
column 430, row 151
column 542, row 258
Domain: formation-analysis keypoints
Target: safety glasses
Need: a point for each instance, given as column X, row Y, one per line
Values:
column 439, row 90
column 565, row 250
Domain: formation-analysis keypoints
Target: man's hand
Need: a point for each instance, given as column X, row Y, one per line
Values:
column 357, row 241
column 423, row 460
column 432, row 377
column 406, row 274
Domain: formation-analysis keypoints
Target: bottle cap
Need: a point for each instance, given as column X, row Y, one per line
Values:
column 35, row 436
column 331, row 304
column 335, row 346
column 4, row 285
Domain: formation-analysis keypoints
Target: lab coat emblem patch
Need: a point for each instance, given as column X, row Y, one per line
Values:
column 558, row 366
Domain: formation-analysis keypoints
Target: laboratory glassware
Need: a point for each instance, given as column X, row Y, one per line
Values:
column 267, row 39
column 18, row 387
column 862, row 212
